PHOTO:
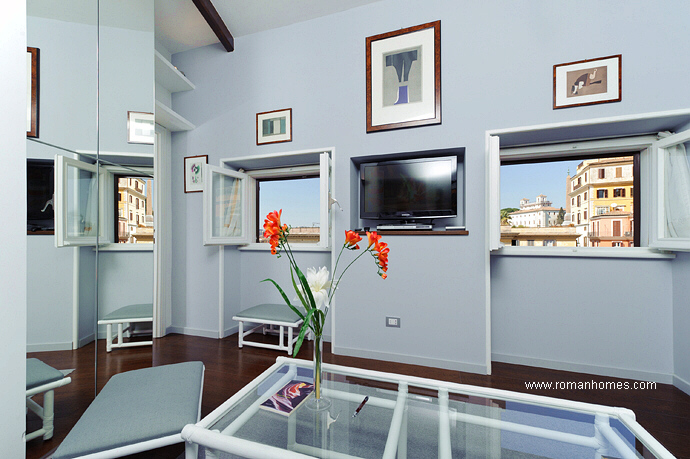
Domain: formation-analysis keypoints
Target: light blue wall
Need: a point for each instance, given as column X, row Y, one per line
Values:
column 681, row 321
column 13, row 252
column 497, row 64
column 602, row 316
column 49, row 296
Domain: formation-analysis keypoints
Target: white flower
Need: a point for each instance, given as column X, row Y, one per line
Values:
column 319, row 285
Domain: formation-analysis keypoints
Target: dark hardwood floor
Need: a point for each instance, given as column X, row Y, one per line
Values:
column 663, row 411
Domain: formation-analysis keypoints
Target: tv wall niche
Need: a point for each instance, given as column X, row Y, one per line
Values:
column 416, row 191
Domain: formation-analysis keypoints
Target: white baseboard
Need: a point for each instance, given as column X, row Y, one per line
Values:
column 412, row 360
column 681, row 384
column 194, row 332
column 43, row 347
column 230, row 331
column 625, row 373
column 83, row 341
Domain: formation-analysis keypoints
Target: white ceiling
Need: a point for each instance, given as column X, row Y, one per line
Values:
column 180, row 26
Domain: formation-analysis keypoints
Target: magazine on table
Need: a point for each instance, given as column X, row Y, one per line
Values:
column 288, row 398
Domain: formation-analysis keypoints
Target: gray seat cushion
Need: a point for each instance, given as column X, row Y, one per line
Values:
column 275, row 312
column 137, row 406
column 133, row 311
column 39, row 373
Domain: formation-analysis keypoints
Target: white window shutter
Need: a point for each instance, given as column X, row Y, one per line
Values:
column 228, row 207
column 493, row 192
column 670, row 222
column 76, row 203
column 324, row 199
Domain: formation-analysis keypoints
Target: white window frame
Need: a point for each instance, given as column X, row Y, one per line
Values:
column 646, row 144
column 62, row 163
column 109, row 185
column 247, row 187
column 658, row 238
column 281, row 165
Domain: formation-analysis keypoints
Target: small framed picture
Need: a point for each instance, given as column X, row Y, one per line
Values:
column 141, row 127
column 274, row 127
column 33, row 74
column 592, row 81
column 193, row 173
column 404, row 78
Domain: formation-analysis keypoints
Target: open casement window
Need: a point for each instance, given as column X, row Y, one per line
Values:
column 228, row 206
column 493, row 184
column 671, row 192
column 231, row 202
column 76, row 203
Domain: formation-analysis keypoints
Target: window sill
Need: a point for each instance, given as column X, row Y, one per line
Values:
column 584, row 252
column 142, row 247
column 264, row 247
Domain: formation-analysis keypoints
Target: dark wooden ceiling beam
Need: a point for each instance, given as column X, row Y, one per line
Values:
column 208, row 11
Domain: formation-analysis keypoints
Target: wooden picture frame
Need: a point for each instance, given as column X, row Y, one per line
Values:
column 403, row 72
column 587, row 82
column 194, row 173
column 274, row 126
column 141, row 127
column 32, row 96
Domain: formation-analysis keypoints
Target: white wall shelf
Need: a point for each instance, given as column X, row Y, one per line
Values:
column 170, row 80
column 169, row 119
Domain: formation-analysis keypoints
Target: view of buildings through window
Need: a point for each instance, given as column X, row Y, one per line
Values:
column 593, row 203
column 299, row 200
column 134, row 210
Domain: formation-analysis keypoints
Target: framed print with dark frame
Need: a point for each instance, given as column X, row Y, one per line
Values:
column 194, row 173
column 32, row 87
column 274, row 127
column 141, row 127
column 404, row 78
column 587, row 82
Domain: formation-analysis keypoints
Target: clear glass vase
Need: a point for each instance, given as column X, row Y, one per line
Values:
column 318, row 402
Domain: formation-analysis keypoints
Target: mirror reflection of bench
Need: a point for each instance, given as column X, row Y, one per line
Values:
column 134, row 315
column 268, row 316
column 41, row 378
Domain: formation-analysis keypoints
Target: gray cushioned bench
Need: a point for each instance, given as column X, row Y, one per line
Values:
column 42, row 378
column 268, row 316
column 137, row 411
column 133, row 313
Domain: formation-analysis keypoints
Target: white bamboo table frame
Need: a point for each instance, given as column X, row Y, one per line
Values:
column 201, row 434
column 47, row 411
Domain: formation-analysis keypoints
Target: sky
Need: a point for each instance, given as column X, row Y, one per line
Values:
column 301, row 208
column 530, row 180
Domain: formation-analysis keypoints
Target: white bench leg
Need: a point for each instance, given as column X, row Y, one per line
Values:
column 109, row 337
column 281, row 345
column 289, row 347
column 240, row 335
column 48, row 414
column 119, row 335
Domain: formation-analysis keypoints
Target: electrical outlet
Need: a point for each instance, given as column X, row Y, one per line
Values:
column 393, row 322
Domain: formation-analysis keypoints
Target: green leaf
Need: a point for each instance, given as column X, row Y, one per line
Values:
column 287, row 301
column 303, row 331
column 305, row 286
column 299, row 293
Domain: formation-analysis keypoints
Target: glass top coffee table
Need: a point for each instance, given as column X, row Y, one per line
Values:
column 413, row 417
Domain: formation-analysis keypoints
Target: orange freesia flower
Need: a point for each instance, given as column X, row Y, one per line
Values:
column 373, row 238
column 382, row 255
column 273, row 230
column 384, row 275
column 351, row 240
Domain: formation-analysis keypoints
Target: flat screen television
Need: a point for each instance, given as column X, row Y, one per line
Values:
column 409, row 189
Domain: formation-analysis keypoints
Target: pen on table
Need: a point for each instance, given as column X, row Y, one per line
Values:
column 361, row 405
